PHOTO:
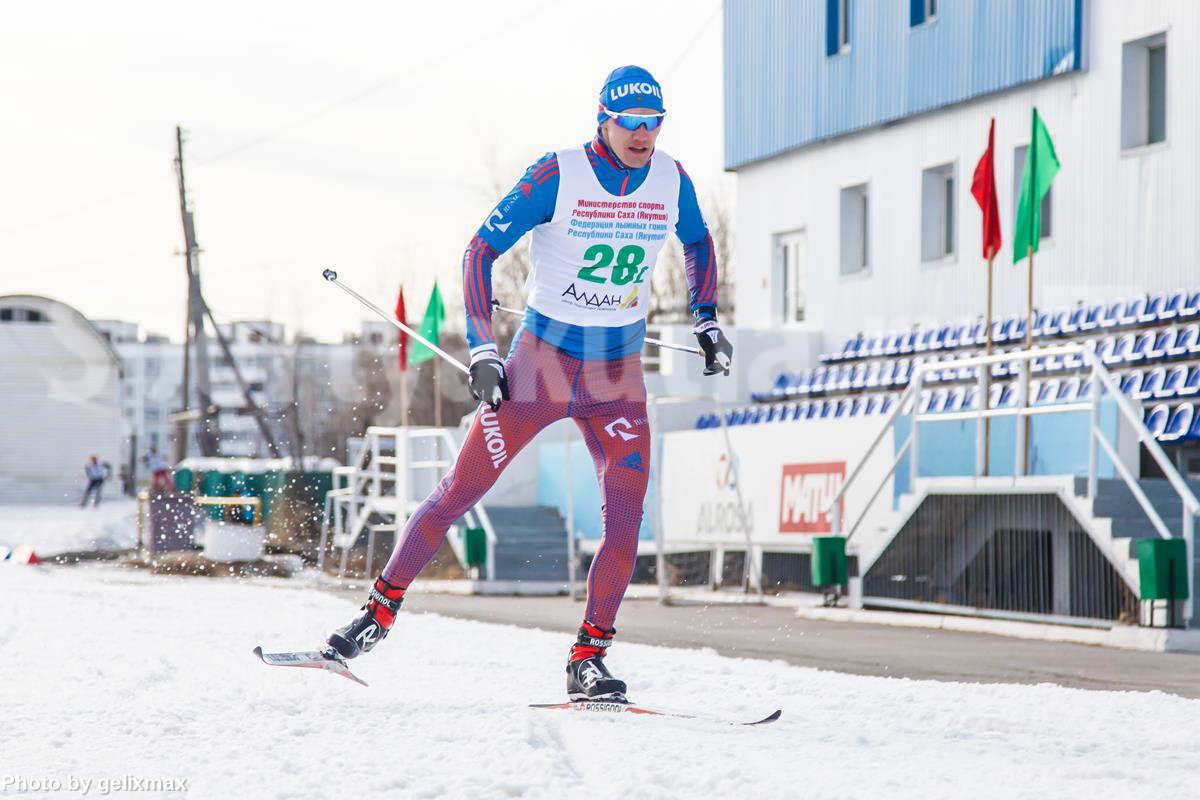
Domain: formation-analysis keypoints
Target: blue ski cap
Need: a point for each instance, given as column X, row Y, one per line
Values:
column 630, row 87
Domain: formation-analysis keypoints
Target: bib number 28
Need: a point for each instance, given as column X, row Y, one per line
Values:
column 627, row 264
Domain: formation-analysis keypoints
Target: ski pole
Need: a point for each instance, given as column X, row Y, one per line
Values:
column 648, row 339
column 332, row 277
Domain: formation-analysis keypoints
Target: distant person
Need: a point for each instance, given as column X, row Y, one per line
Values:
column 97, row 472
column 159, row 469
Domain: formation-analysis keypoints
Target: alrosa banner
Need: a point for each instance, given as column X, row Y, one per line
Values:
column 788, row 474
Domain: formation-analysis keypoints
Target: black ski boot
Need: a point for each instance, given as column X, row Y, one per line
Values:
column 587, row 677
column 371, row 626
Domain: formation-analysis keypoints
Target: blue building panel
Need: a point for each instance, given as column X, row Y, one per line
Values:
column 783, row 90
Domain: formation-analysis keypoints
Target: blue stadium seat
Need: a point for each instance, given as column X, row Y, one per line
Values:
column 1054, row 363
column 1191, row 306
column 1091, row 320
column 827, row 408
column 1112, row 316
column 907, row 343
column 1074, row 321
column 1047, row 392
column 1008, row 397
column 1194, row 432
column 937, row 400
column 873, row 345
column 891, row 344
column 856, row 406
column 1035, row 388
column 1180, row 422
column 858, row 377
column 702, row 421
column 852, row 348
column 1172, row 382
column 799, row 382
column 1184, row 339
column 871, row 378
column 1069, row 390
column 1151, row 383
column 1040, row 320
column 1171, row 306
column 1161, row 343
column 971, row 401
column 903, row 373
column 1143, row 342
column 1133, row 310
column 956, row 399
column 1018, row 331
column 1120, row 349
column 887, row 371
column 1156, row 419
column 817, row 385
column 773, row 412
column 1104, row 348
column 1191, row 385
column 924, row 340
column 1085, row 390
column 1055, row 321
column 888, row 402
column 801, row 410
column 994, row 393
column 954, row 336
column 1153, row 305
column 871, row 405
column 1131, row 382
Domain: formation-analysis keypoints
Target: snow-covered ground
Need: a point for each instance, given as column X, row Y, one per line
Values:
column 111, row 673
column 52, row 529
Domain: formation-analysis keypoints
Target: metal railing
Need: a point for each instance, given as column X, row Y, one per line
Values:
column 1101, row 381
column 381, row 483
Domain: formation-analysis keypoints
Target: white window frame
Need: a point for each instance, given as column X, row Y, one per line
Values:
column 790, row 277
column 1136, row 92
column 939, row 194
column 854, row 222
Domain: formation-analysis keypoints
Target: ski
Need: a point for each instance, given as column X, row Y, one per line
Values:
column 604, row 707
column 310, row 659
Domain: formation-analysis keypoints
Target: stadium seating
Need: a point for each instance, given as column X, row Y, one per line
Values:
column 1151, row 343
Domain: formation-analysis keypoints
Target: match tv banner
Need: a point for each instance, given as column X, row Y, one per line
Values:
column 789, row 473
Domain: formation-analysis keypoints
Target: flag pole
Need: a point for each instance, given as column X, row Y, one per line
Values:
column 987, row 370
column 1028, row 346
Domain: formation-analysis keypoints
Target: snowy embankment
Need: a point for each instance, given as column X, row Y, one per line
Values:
column 114, row 673
column 53, row 529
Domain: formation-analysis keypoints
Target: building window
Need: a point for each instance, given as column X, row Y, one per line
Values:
column 937, row 212
column 837, row 26
column 855, row 229
column 1144, row 92
column 791, row 276
column 1019, row 175
column 922, row 11
column 152, row 367
column 13, row 314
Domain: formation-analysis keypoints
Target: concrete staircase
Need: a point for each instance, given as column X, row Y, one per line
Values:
column 1115, row 503
column 531, row 543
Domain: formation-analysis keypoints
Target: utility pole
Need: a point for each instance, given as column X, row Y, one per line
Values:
column 209, row 432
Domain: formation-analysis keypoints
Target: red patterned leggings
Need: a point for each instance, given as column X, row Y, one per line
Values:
column 607, row 400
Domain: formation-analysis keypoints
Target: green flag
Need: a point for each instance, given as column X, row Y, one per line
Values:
column 1041, row 165
column 435, row 312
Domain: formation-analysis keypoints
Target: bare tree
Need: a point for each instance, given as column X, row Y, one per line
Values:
column 670, row 296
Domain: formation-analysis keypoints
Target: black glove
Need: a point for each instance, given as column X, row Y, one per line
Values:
column 488, row 382
column 718, row 352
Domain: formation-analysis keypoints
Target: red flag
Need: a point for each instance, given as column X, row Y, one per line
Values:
column 403, row 336
column 983, row 186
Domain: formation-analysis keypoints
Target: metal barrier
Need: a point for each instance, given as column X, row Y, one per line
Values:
column 1100, row 382
column 380, row 483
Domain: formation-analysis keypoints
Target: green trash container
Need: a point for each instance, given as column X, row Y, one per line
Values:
column 1162, row 568
column 475, row 544
column 183, row 479
column 213, row 484
column 829, row 562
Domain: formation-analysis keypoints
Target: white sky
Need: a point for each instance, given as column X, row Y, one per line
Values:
column 368, row 138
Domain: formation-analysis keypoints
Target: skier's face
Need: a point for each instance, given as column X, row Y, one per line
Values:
column 634, row 148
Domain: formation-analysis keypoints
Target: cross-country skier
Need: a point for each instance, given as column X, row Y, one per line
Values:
column 600, row 214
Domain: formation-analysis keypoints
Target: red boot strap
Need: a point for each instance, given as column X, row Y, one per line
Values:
column 579, row 652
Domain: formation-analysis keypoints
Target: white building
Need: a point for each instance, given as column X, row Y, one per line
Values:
column 855, row 156
column 60, row 401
